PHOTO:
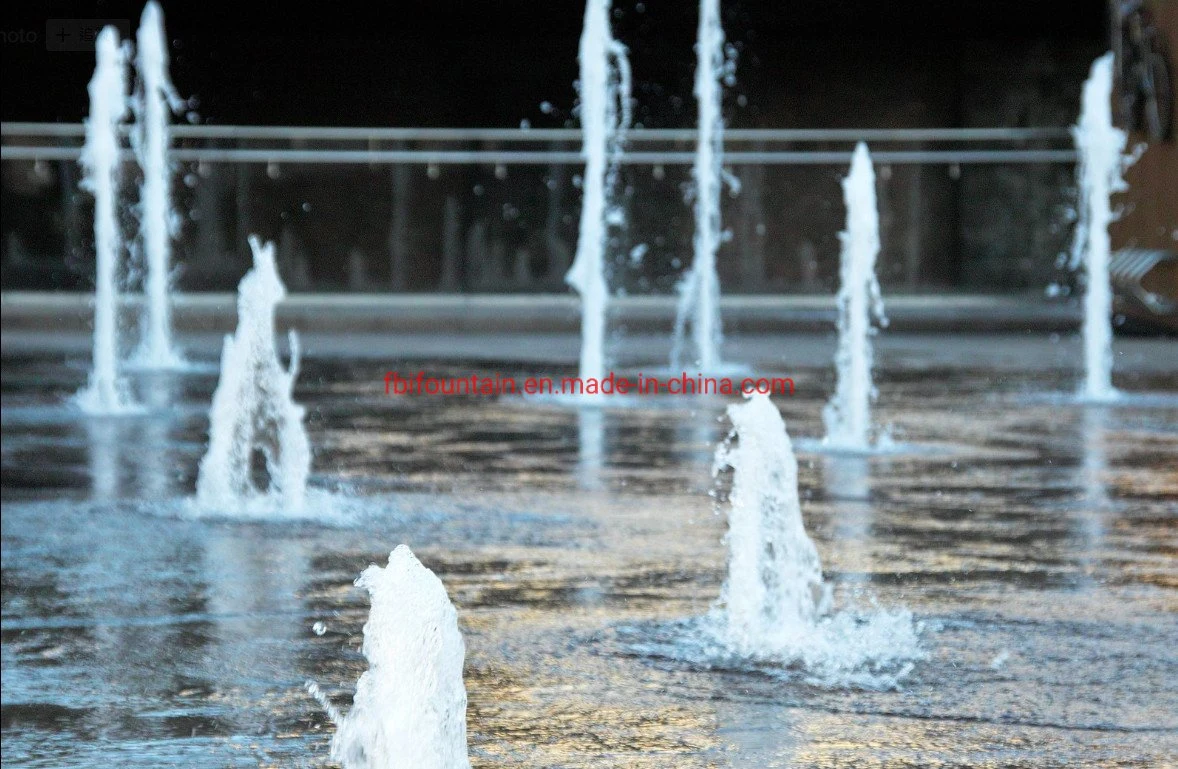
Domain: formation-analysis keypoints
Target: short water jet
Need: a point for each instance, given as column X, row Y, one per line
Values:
column 848, row 414
column 774, row 584
column 774, row 605
column 253, row 408
column 409, row 709
column 774, row 613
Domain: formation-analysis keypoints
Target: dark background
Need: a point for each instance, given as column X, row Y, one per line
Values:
column 476, row 63
column 484, row 63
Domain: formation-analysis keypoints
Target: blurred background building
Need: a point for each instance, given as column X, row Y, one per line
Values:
column 962, row 210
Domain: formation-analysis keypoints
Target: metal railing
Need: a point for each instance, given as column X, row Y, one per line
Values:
column 496, row 209
column 25, row 141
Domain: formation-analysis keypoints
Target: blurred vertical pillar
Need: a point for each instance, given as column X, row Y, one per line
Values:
column 244, row 213
column 496, row 270
column 451, row 245
column 887, row 229
column 477, row 255
column 951, row 234
column 752, row 227
column 357, row 270
column 71, row 217
column 495, row 264
column 560, row 256
column 808, row 267
column 399, row 227
column 521, row 268
column 292, row 260
column 210, row 236
column 913, row 227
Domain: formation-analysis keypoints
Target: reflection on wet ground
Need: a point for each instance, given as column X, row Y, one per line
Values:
column 1035, row 542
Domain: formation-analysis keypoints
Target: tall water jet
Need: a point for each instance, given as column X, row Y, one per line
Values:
column 848, row 414
column 774, row 605
column 1101, row 146
column 155, row 99
column 105, row 392
column 699, row 291
column 409, row 709
column 253, row 408
column 604, row 89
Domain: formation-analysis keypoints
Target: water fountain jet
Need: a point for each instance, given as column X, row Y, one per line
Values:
column 848, row 414
column 409, row 709
column 253, row 408
column 106, row 392
column 699, row 291
column 1101, row 146
column 604, row 89
column 155, row 98
column 774, row 581
column 774, row 606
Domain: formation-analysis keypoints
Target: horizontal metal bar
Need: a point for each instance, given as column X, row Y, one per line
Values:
column 637, row 135
column 524, row 157
column 42, row 129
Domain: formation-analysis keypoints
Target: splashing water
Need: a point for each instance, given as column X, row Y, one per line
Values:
column 105, row 393
column 1101, row 146
column 699, row 291
column 774, row 605
column 151, row 140
column 848, row 414
column 253, row 409
column 409, row 709
column 774, row 582
column 605, row 115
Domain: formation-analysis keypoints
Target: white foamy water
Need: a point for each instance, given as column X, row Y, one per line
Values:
column 848, row 414
column 155, row 99
column 1102, row 160
column 605, row 114
column 774, row 583
column 253, row 409
column 699, row 292
column 774, row 605
column 106, row 392
column 409, row 709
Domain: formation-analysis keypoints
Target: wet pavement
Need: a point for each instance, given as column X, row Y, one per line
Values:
column 1036, row 542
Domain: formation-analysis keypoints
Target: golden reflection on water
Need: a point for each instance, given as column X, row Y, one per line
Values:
column 1041, row 551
